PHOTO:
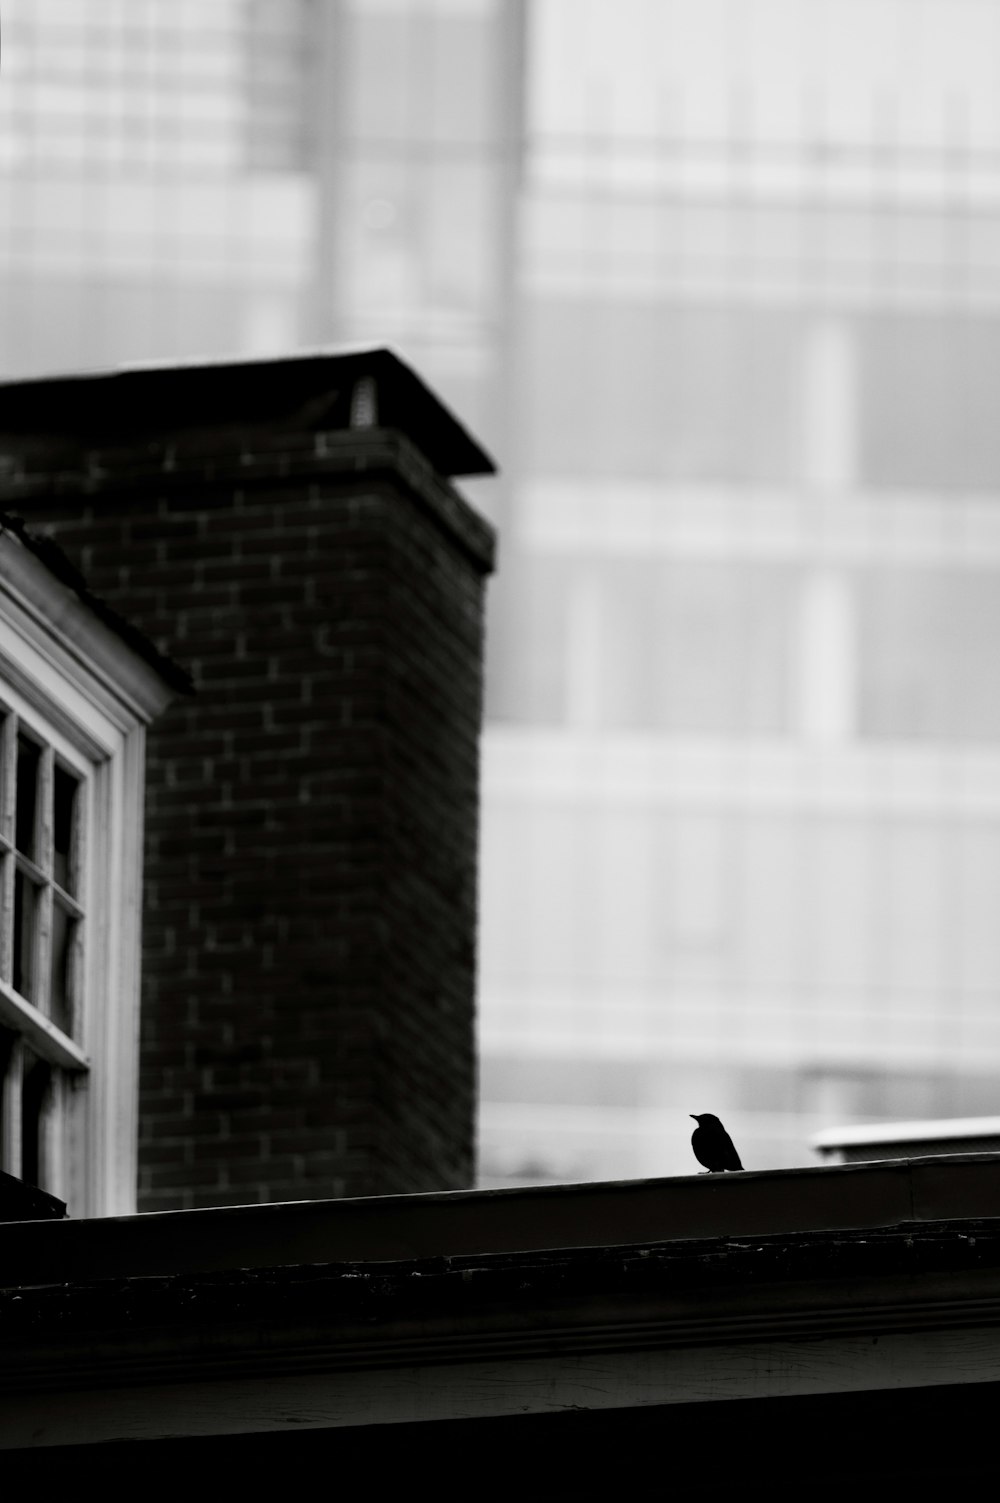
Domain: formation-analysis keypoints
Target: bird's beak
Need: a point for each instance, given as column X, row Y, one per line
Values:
column 692, row 1116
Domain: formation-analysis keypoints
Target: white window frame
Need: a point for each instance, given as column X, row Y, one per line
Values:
column 29, row 1020
column 84, row 691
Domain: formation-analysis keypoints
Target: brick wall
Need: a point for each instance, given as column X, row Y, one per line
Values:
column 311, row 837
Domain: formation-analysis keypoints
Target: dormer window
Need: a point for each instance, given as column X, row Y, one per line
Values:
column 76, row 691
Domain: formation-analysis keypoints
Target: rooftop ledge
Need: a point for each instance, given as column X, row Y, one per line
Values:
column 921, row 1138
column 395, row 1228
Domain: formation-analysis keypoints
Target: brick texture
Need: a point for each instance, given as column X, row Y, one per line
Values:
column 312, row 811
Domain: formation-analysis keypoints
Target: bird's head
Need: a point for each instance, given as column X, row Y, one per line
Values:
column 704, row 1117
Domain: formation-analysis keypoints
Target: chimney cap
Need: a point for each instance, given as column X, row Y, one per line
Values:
column 308, row 390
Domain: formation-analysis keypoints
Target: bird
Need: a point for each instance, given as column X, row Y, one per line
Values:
column 712, row 1145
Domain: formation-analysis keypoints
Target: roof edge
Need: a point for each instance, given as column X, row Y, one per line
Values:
column 548, row 1217
column 56, row 564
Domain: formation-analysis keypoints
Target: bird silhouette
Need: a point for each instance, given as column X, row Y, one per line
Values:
column 712, row 1145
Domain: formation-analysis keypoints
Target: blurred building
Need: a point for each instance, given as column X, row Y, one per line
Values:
column 719, row 285
column 742, row 843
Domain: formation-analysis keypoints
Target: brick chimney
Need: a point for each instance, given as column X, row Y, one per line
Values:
column 288, row 531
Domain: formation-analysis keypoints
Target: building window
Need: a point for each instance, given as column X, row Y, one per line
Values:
column 928, row 421
column 77, row 690
column 628, row 388
column 43, row 921
column 632, row 644
column 927, row 655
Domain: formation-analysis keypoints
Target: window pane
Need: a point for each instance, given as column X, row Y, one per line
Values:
column 533, row 690
column 927, row 654
column 34, row 1095
column 274, row 115
column 431, row 77
column 6, row 786
column 927, row 401
column 28, row 762
column 680, row 393
column 696, row 648
column 25, row 925
column 61, row 953
column 63, row 822
column 7, row 1086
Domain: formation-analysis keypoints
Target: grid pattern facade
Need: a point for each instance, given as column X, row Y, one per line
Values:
column 741, row 839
